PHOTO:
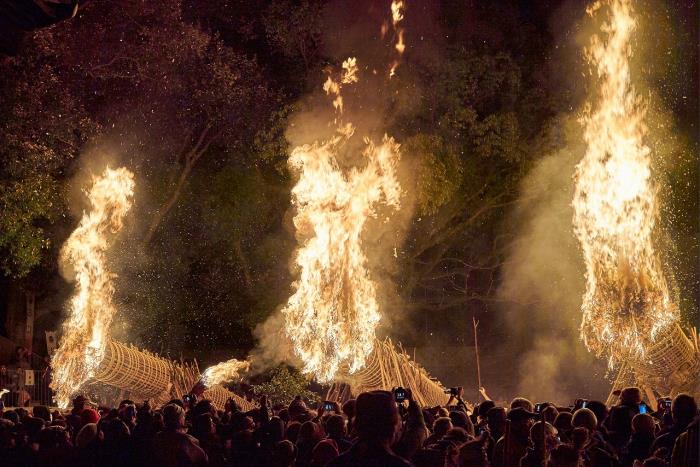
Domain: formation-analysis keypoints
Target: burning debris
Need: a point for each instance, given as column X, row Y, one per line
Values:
column 225, row 372
column 616, row 209
column 85, row 333
column 397, row 7
column 333, row 313
column 628, row 314
column 332, row 316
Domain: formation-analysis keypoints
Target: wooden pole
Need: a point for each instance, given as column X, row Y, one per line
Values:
column 476, row 351
column 544, row 438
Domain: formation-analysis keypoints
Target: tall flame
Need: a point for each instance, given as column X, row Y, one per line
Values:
column 626, row 303
column 91, row 309
column 333, row 313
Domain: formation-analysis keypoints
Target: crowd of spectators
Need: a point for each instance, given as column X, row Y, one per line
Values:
column 370, row 431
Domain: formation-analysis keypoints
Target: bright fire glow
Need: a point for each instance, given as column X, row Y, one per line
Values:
column 224, row 372
column 627, row 300
column 397, row 9
column 332, row 316
column 91, row 309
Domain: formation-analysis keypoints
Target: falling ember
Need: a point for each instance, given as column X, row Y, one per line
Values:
column 626, row 304
column 224, row 372
column 91, row 309
column 397, row 9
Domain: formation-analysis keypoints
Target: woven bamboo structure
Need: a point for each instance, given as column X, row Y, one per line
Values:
column 388, row 367
column 145, row 375
column 139, row 371
column 670, row 366
column 218, row 395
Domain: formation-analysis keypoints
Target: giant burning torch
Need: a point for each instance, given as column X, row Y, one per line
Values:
column 86, row 353
column 332, row 315
column 629, row 316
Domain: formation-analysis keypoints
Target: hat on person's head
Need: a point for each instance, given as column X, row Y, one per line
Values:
column 519, row 414
column 89, row 416
column 297, row 407
column 376, row 414
column 631, row 396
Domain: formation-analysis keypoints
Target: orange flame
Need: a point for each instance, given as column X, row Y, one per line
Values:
column 84, row 337
column 627, row 300
column 224, row 372
column 333, row 313
column 397, row 9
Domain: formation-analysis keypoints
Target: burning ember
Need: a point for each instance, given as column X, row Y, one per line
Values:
column 332, row 316
column 224, row 372
column 91, row 309
column 627, row 302
column 397, row 7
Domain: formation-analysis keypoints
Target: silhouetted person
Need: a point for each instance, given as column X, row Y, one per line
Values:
column 540, row 446
column 172, row 446
column 440, row 428
column 639, row 445
column 377, row 423
column 683, row 411
column 335, row 430
column 518, row 439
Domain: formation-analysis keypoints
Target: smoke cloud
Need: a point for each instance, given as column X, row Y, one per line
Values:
column 544, row 282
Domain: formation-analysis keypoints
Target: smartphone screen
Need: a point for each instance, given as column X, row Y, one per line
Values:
column 584, row 404
column 642, row 408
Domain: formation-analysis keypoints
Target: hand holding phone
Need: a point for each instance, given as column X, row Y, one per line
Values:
column 399, row 394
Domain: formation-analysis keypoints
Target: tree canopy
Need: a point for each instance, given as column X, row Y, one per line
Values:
column 196, row 96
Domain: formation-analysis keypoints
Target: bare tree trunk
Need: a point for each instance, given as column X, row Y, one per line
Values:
column 190, row 160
